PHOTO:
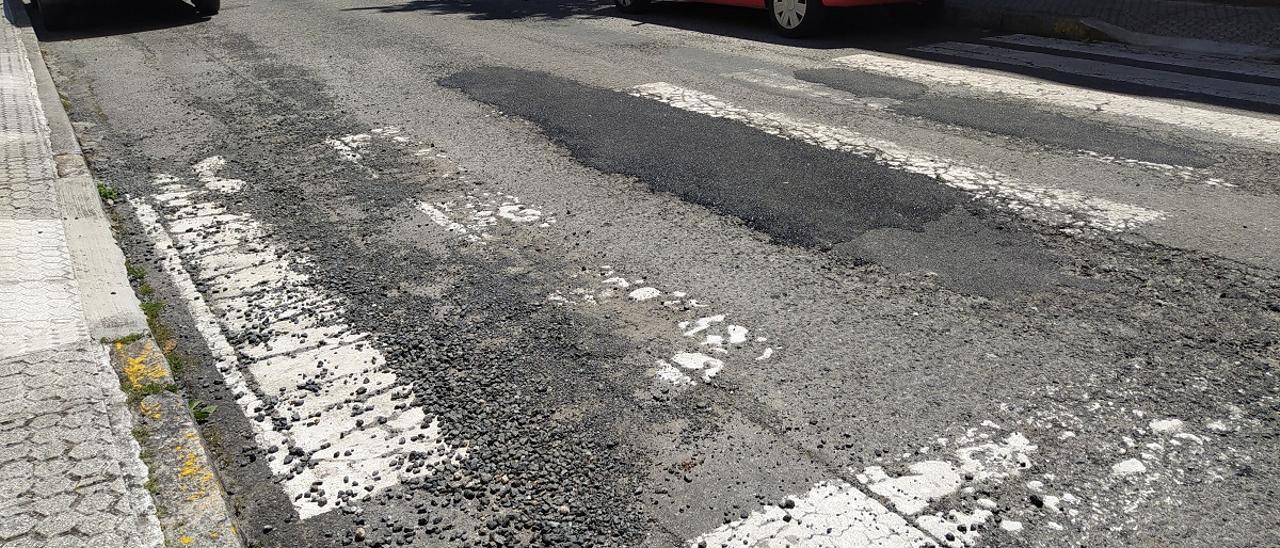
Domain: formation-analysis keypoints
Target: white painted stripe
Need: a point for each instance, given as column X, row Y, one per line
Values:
column 1229, row 89
column 793, row 87
column 1253, row 128
column 1122, row 51
column 837, row 514
column 1055, row 207
column 313, row 385
column 830, row 515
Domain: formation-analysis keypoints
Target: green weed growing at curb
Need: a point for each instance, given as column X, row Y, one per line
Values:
column 201, row 411
column 107, row 193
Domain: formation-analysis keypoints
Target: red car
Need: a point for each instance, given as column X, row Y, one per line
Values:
column 797, row 18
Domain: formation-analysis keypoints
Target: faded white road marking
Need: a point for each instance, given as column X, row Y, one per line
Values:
column 709, row 340
column 918, row 511
column 1052, row 206
column 207, row 172
column 1260, row 129
column 1121, row 51
column 335, row 425
column 475, row 215
column 1109, row 71
column 830, row 515
column 1183, row 173
column 794, row 87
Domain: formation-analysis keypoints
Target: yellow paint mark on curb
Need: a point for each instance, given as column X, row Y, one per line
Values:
column 149, row 410
column 138, row 373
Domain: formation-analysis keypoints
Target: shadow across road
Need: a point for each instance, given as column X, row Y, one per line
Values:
column 850, row 27
column 96, row 18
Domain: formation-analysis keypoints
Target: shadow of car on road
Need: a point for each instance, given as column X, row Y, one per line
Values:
column 848, row 27
column 891, row 29
column 116, row 17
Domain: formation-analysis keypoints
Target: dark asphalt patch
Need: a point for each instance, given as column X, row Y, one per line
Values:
column 1006, row 264
column 1006, row 118
column 864, row 84
column 798, row 193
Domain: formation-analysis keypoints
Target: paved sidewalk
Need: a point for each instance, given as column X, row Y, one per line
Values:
column 1255, row 25
column 70, row 471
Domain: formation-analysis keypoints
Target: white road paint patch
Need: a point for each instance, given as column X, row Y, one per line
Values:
column 830, row 515
column 314, row 387
column 1258, row 129
column 1056, row 207
column 911, row 494
column 1167, row 426
column 207, row 173
column 697, row 361
column 475, row 216
column 961, row 526
column 351, row 148
column 838, row 514
column 1128, row 467
column 644, row 293
column 1183, row 173
column 793, row 87
column 709, row 342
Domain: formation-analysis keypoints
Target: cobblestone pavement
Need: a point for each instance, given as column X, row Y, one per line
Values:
column 70, row 471
column 1254, row 25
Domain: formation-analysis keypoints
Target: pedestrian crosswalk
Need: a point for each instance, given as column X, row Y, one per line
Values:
column 837, row 512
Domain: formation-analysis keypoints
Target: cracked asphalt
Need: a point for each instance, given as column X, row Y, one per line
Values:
column 536, row 273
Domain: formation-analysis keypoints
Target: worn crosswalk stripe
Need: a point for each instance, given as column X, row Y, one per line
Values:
column 1121, row 51
column 1052, row 206
column 832, row 514
column 335, row 423
column 1260, row 129
column 1245, row 91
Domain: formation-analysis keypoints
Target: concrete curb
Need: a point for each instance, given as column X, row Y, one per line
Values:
column 190, row 500
column 188, row 494
column 109, row 304
column 1075, row 28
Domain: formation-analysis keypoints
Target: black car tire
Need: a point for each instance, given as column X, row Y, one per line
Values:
column 207, row 7
column 796, row 18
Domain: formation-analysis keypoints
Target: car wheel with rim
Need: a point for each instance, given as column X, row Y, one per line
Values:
column 207, row 7
column 631, row 6
column 796, row 18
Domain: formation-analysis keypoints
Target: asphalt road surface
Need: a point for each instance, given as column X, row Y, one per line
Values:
column 536, row 273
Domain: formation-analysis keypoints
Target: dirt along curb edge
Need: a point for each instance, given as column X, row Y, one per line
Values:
column 189, row 498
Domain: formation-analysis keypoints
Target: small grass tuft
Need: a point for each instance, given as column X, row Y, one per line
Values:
column 107, row 193
column 127, row 339
column 134, row 271
column 152, row 310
